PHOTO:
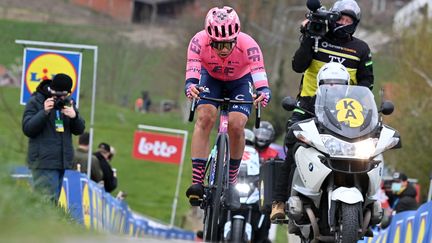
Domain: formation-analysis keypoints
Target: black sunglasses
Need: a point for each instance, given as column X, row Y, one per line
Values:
column 219, row 45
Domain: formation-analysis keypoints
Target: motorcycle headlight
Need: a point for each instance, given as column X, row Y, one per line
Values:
column 242, row 188
column 338, row 148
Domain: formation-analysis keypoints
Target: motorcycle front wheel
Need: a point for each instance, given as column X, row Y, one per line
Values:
column 349, row 223
column 237, row 230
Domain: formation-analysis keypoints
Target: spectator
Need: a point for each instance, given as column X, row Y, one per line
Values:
column 146, row 101
column 139, row 104
column 49, row 120
column 105, row 154
column 142, row 104
column 81, row 157
column 405, row 193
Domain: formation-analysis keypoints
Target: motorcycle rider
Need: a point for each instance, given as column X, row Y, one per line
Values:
column 264, row 136
column 337, row 45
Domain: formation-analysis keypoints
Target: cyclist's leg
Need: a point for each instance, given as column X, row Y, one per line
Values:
column 206, row 117
column 240, row 89
column 237, row 122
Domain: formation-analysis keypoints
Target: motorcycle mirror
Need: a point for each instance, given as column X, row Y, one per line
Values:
column 289, row 103
column 387, row 107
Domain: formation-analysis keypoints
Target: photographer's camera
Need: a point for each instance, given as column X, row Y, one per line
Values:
column 319, row 18
column 60, row 103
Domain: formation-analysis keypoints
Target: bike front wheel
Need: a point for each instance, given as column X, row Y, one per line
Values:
column 214, row 210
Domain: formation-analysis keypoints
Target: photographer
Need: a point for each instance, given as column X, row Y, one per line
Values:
column 49, row 120
column 317, row 48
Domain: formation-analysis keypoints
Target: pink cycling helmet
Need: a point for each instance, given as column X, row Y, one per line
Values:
column 222, row 24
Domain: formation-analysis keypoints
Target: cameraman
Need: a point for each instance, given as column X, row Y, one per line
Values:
column 336, row 45
column 49, row 119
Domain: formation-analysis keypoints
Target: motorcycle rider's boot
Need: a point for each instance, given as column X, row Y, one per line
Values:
column 232, row 198
column 278, row 211
column 195, row 194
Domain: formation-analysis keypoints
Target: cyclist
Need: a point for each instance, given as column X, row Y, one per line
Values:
column 264, row 136
column 337, row 45
column 228, row 62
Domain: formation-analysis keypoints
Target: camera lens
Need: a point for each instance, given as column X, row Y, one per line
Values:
column 59, row 104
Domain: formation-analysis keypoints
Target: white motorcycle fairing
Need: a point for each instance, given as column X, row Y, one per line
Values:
column 310, row 168
column 375, row 176
column 386, row 140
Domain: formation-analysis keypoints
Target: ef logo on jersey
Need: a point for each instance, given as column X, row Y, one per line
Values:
column 350, row 112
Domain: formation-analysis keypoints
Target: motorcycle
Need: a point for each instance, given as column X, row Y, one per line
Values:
column 339, row 165
column 242, row 225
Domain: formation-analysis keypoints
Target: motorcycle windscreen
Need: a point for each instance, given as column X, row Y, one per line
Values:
column 347, row 110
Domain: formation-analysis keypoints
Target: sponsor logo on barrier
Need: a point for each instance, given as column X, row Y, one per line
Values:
column 422, row 228
column 157, row 147
column 86, row 205
column 63, row 199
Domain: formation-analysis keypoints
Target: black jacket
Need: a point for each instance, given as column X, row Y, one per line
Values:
column 47, row 148
column 406, row 199
column 110, row 182
column 353, row 53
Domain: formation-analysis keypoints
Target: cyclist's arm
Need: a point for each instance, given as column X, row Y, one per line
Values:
column 193, row 64
column 256, row 63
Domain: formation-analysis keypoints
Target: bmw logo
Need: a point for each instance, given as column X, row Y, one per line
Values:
column 311, row 167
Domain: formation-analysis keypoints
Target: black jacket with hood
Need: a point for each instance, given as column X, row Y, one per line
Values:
column 406, row 199
column 48, row 149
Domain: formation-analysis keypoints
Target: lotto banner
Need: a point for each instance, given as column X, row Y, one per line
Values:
column 42, row 64
column 158, row 147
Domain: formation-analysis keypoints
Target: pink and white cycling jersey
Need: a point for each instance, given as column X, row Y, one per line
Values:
column 246, row 57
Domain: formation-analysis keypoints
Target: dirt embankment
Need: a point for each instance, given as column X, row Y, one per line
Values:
column 51, row 11
column 65, row 12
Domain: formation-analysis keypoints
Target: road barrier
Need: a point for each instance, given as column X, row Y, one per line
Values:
column 90, row 205
column 408, row 226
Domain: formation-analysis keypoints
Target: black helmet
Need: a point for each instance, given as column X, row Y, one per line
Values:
column 264, row 135
column 349, row 8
